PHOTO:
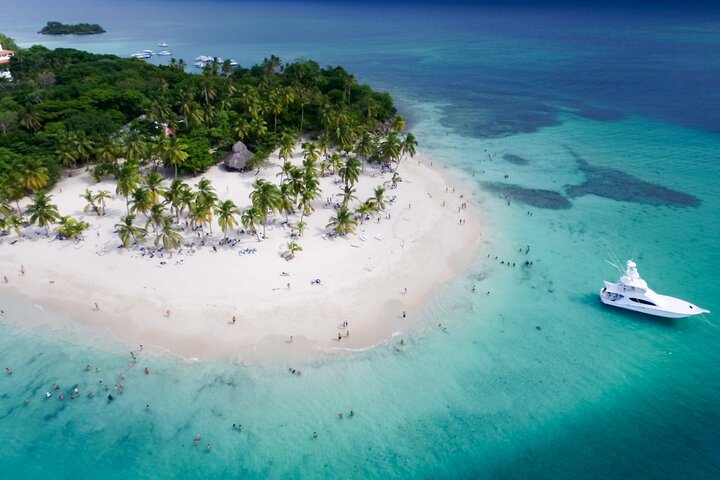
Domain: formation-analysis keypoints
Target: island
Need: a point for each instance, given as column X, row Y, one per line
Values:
column 57, row 28
column 224, row 214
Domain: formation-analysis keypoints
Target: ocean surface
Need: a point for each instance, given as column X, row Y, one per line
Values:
column 587, row 135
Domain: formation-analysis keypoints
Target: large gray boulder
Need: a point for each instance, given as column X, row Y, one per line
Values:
column 238, row 158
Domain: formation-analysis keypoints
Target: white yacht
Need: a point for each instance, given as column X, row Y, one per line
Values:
column 633, row 293
column 164, row 53
column 162, row 44
column 140, row 55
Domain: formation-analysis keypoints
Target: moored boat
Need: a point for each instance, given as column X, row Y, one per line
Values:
column 632, row 292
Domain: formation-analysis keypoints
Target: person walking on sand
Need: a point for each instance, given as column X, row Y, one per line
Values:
column 97, row 307
column 22, row 270
column 404, row 314
column 233, row 320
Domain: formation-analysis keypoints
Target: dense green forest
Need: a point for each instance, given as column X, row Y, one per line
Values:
column 67, row 108
column 57, row 28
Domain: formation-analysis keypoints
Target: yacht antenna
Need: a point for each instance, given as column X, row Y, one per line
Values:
column 614, row 265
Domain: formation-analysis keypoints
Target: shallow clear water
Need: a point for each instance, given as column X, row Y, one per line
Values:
column 536, row 378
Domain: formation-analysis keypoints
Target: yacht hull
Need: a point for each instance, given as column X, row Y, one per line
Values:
column 649, row 310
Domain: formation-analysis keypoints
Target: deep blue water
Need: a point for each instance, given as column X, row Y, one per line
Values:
column 602, row 130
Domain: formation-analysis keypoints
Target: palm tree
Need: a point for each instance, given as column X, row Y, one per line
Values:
column 174, row 195
column 265, row 196
column 391, row 147
column 33, row 175
column 310, row 151
column 100, row 197
column 287, row 145
column 11, row 188
column 190, row 109
column 71, row 227
column 168, row 236
column 297, row 181
column 83, row 146
column 205, row 192
column 67, row 156
column 226, row 213
column 202, row 211
column 156, row 216
column 128, row 231
column 292, row 249
column 380, row 197
column 141, row 200
column 349, row 83
column 343, row 222
column 366, row 208
column 259, row 127
column 30, row 119
column 286, row 204
column 398, row 123
column 16, row 223
column 348, row 194
column 335, row 162
column 323, row 143
column 250, row 218
column 407, row 147
column 242, row 129
column 128, row 180
column 300, row 227
column 285, row 170
column 153, row 183
column 277, row 105
column 350, row 172
column 41, row 211
column 366, row 146
column 175, row 153
column 89, row 197
column 187, row 200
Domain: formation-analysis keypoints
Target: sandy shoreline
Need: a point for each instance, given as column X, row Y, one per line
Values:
column 364, row 275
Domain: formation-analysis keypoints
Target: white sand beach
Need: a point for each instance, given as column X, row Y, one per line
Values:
column 417, row 244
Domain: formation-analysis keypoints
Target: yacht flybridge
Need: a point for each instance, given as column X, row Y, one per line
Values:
column 632, row 292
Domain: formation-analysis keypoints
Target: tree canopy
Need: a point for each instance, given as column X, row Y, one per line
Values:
column 69, row 108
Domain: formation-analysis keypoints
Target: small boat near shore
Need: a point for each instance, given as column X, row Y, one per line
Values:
column 140, row 55
column 632, row 292
column 164, row 53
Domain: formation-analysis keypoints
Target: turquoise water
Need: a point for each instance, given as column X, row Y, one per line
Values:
column 615, row 117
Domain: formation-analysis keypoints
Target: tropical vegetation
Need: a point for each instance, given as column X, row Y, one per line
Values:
column 149, row 127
